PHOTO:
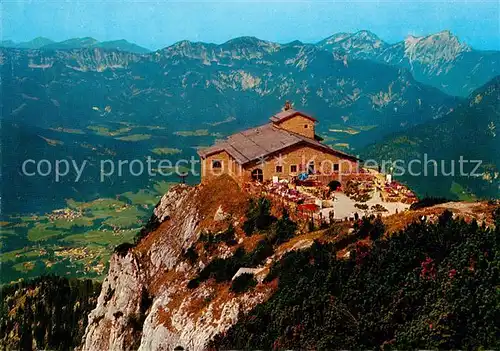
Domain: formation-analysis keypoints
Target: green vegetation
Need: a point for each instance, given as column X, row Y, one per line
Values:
column 48, row 313
column 41, row 232
column 466, row 133
column 68, row 130
column 69, row 224
column 142, row 197
column 223, row 270
column 243, row 282
column 106, row 131
column 427, row 202
column 101, row 130
column 226, row 236
column 282, row 230
column 107, row 238
column 258, row 216
column 430, row 286
column 162, row 186
column 135, row 137
column 188, row 133
column 126, row 218
column 461, row 193
column 12, row 255
column 166, row 151
column 23, row 267
column 52, row 142
column 75, row 241
column 277, row 232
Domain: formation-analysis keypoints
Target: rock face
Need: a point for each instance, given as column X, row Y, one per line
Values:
column 120, row 299
column 145, row 303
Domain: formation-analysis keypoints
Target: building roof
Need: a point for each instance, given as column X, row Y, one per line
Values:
column 286, row 114
column 255, row 143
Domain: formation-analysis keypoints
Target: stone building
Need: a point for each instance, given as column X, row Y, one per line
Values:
column 282, row 149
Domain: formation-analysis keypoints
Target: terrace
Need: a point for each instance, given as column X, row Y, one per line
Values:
column 365, row 193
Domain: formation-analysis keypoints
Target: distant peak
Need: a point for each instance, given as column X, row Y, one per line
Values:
column 444, row 35
column 294, row 43
column 41, row 38
column 445, row 32
column 244, row 41
column 440, row 46
column 366, row 34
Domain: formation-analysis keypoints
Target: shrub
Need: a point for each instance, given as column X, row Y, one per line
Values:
column 243, row 282
column 283, row 230
column 377, row 230
column 496, row 217
column 363, row 207
column 379, row 208
column 193, row 283
column 122, row 249
column 191, row 255
column 262, row 251
column 224, row 269
column 369, row 226
column 427, row 202
column 258, row 216
column 334, row 185
column 227, row 236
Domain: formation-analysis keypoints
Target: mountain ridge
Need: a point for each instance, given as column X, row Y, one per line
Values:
column 439, row 59
column 469, row 132
column 42, row 43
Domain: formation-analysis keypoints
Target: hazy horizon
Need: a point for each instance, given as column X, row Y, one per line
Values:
column 155, row 25
column 208, row 42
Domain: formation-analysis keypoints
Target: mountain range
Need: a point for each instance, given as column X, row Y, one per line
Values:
column 440, row 60
column 75, row 43
column 470, row 133
column 188, row 84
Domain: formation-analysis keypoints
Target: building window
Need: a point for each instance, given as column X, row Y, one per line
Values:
column 310, row 168
column 258, row 175
column 293, row 168
column 279, row 169
column 335, row 167
column 216, row 164
column 306, row 126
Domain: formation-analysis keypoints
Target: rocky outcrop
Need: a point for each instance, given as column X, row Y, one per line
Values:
column 109, row 326
column 145, row 303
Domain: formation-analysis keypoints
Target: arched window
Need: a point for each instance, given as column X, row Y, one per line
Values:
column 258, row 175
column 216, row 164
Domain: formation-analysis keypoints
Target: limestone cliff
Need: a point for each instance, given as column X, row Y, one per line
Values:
column 145, row 303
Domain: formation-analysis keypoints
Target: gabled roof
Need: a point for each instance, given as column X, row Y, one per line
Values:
column 252, row 144
column 287, row 114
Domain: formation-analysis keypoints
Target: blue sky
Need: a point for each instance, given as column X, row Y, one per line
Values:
column 156, row 24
